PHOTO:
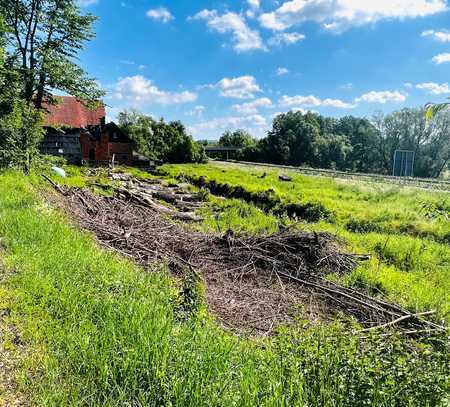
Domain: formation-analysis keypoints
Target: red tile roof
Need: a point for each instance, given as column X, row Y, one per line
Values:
column 70, row 112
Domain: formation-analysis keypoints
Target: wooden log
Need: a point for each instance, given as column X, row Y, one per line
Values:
column 285, row 178
column 146, row 200
column 165, row 196
column 398, row 320
column 55, row 185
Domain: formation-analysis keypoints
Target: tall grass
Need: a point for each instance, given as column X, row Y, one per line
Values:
column 404, row 229
column 99, row 331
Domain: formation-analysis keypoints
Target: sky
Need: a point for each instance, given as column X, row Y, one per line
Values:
column 218, row 65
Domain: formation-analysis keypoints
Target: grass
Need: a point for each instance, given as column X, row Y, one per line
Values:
column 404, row 229
column 100, row 331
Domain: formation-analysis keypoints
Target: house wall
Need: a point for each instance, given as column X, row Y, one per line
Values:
column 123, row 152
column 105, row 149
column 62, row 145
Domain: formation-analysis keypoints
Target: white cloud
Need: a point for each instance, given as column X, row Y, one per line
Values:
column 255, row 124
column 408, row 85
column 286, row 38
column 86, row 3
column 282, row 71
column 244, row 38
column 441, row 36
column 441, row 58
column 434, row 88
column 196, row 111
column 346, row 86
column 313, row 101
column 160, row 14
column 382, row 97
column 294, row 109
column 242, row 87
column 139, row 90
column 337, row 15
column 252, row 107
column 254, row 3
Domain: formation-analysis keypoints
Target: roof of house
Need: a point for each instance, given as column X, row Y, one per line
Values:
column 72, row 113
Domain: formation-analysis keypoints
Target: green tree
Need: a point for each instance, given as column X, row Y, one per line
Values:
column 408, row 129
column 44, row 39
column 20, row 134
column 362, row 136
column 8, row 76
column 292, row 139
column 331, row 151
column 238, row 138
column 159, row 140
column 142, row 129
column 20, row 123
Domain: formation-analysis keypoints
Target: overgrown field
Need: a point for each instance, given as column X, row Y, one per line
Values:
column 94, row 329
column 405, row 230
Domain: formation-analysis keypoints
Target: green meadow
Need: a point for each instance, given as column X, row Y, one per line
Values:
column 90, row 328
column 405, row 230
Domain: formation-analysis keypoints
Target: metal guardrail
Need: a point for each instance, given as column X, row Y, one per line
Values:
column 427, row 183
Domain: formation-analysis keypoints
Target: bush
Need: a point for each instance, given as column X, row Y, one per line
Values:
column 362, row 226
column 20, row 134
column 308, row 211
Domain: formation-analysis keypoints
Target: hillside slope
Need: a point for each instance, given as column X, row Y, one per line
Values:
column 95, row 329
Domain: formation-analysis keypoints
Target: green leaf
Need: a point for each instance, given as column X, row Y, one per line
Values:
column 432, row 110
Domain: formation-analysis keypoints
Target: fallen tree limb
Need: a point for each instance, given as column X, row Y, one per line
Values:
column 55, row 185
column 146, row 200
column 398, row 320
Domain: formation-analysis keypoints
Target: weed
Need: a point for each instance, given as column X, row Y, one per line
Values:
column 362, row 226
column 191, row 296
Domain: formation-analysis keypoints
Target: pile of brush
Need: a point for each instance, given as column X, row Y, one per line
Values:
column 252, row 270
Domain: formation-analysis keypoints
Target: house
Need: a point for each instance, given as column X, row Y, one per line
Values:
column 105, row 144
column 80, row 134
column 62, row 144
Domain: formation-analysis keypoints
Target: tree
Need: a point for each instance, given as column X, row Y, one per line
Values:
column 20, row 123
column 20, row 134
column 143, row 131
column 408, row 129
column 238, row 138
column 292, row 139
column 44, row 39
column 362, row 137
column 8, row 76
column 159, row 140
column 332, row 151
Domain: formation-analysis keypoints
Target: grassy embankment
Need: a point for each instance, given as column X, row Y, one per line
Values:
column 98, row 330
column 404, row 229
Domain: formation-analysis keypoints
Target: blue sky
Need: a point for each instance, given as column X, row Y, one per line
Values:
column 218, row 65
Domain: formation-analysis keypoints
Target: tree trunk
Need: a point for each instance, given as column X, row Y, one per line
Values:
column 40, row 91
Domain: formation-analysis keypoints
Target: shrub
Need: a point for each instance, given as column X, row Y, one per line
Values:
column 20, row 134
column 362, row 226
column 309, row 211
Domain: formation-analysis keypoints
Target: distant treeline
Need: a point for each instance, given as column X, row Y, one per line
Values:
column 350, row 143
column 159, row 140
